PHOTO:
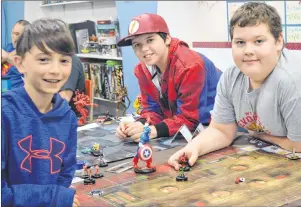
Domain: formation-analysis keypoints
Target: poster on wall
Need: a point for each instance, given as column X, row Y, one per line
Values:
column 294, row 34
column 293, row 12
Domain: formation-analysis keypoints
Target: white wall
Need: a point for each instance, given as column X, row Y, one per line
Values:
column 207, row 21
column 71, row 13
column 221, row 57
column 191, row 21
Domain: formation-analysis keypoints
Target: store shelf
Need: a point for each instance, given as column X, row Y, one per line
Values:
column 96, row 56
column 64, row 3
column 103, row 99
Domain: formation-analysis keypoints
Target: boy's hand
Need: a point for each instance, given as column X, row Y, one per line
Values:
column 120, row 131
column 75, row 201
column 134, row 128
column 191, row 153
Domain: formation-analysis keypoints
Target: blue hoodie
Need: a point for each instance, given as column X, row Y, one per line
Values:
column 38, row 155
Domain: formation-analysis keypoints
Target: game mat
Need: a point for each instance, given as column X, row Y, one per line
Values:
column 115, row 149
column 270, row 180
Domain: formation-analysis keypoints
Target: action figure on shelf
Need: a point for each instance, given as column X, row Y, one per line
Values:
column 82, row 100
column 105, row 119
column 144, row 152
column 122, row 93
column 93, row 38
column 5, row 68
column 138, row 105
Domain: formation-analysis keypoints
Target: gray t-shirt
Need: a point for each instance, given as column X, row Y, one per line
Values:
column 274, row 108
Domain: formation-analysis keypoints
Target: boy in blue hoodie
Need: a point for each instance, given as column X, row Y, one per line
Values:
column 39, row 137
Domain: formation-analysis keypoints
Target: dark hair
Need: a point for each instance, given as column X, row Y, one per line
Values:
column 162, row 35
column 53, row 33
column 253, row 13
column 22, row 22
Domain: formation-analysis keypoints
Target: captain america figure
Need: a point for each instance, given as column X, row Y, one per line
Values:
column 144, row 152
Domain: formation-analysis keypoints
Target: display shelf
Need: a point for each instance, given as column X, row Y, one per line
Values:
column 103, row 99
column 96, row 56
column 64, row 3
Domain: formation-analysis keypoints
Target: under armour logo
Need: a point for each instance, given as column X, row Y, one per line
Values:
column 53, row 155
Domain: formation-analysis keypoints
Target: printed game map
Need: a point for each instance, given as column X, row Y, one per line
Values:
column 271, row 179
column 115, row 149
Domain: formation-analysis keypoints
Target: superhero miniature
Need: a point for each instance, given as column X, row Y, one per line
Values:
column 144, row 152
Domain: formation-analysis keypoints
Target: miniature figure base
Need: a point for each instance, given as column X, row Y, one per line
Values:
column 180, row 178
column 102, row 164
column 293, row 157
column 84, row 176
column 144, row 170
column 96, row 154
column 99, row 175
column 89, row 181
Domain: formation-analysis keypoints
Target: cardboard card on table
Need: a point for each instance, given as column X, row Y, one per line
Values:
column 276, row 150
column 120, row 168
column 199, row 129
column 184, row 132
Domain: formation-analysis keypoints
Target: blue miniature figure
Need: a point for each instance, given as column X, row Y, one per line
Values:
column 144, row 152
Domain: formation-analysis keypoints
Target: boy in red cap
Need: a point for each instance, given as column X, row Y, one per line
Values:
column 177, row 84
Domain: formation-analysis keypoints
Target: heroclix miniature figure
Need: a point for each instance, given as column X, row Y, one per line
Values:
column 184, row 168
column 87, row 174
column 144, row 152
column 97, row 151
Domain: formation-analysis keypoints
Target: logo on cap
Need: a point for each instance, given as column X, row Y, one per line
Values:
column 134, row 26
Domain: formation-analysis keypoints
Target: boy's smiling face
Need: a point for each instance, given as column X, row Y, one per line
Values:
column 151, row 48
column 44, row 73
column 255, row 50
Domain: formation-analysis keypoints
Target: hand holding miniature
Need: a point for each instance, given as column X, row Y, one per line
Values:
column 190, row 152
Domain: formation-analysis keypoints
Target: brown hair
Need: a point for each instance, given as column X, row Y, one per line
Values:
column 53, row 33
column 254, row 13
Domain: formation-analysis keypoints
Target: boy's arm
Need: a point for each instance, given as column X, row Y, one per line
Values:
column 283, row 142
column 150, row 109
column 35, row 195
column 189, row 103
column 30, row 194
column 69, row 161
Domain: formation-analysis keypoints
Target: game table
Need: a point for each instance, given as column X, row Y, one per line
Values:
column 270, row 179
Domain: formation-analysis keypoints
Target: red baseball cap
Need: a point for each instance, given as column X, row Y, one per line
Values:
column 145, row 23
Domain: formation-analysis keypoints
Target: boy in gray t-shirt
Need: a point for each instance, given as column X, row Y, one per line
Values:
column 272, row 109
column 262, row 93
